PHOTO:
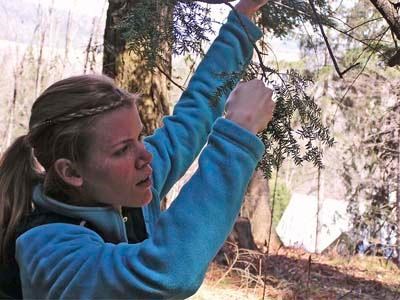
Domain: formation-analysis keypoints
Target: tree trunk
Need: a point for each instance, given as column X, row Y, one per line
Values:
column 252, row 227
column 257, row 209
column 128, row 70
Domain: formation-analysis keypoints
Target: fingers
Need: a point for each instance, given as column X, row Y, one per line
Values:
column 249, row 7
column 250, row 105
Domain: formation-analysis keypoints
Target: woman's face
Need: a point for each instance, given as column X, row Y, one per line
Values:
column 117, row 170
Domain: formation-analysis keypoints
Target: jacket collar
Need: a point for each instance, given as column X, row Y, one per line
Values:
column 107, row 220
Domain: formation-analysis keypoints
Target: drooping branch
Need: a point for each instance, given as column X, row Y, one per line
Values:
column 185, row 34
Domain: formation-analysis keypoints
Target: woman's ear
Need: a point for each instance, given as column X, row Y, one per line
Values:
column 68, row 172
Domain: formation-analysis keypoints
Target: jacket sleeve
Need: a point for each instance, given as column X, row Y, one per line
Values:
column 184, row 133
column 61, row 261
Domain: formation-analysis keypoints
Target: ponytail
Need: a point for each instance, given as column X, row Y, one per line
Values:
column 17, row 178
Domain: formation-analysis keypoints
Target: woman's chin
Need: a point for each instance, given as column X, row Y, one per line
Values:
column 141, row 200
column 148, row 197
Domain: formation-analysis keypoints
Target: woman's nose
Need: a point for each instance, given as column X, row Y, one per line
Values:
column 145, row 157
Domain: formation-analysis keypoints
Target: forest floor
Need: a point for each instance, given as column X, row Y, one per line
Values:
column 295, row 274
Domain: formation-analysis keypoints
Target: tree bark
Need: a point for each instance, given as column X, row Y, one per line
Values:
column 390, row 13
column 128, row 70
column 257, row 209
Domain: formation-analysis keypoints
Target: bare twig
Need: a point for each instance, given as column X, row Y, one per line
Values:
column 364, row 23
column 89, row 45
column 170, row 79
column 325, row 39
column 190, row 71
column 351, row 67
column 356, row 78
column 269, row 232
column 263, row 67
column 231, row 265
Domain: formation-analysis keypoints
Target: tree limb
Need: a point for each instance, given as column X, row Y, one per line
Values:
column 390, row 13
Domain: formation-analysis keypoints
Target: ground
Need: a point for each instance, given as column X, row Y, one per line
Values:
column 295, row 274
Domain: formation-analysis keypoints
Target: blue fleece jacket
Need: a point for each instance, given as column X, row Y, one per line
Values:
column 68, row 261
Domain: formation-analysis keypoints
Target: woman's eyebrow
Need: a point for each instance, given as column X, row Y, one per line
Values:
column 122, row 142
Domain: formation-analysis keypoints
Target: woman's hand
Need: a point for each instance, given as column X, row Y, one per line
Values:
column 249, row 7
column 250, row 105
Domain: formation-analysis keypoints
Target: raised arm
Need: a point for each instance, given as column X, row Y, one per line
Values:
column 69, row 261
column 179, row 141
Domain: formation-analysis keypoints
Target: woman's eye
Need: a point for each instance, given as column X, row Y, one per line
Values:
column 121, row 151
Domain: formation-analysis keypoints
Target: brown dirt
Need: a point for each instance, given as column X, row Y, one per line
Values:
column 295, row 274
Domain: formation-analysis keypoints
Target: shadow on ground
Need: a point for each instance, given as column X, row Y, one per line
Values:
column 299, row 276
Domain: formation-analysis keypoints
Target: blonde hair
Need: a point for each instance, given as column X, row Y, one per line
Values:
column 58, row 128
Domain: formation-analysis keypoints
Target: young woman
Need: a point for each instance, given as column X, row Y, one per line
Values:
column 80, row 193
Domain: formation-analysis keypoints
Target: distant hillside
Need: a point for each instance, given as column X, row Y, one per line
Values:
column 19, row 18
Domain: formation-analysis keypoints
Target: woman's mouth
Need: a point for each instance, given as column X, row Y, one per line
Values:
column 145, row 183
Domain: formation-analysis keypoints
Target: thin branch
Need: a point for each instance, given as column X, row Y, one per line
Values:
column 170, row 79
column 364, row 23
column 351, row 67
column 358, row 40
column 366, row 63
column 356, row 78
column 263, row 67
column 270, row 230
column 345, row 32
column 394, row 39
column 325, row 39
column 191, row 69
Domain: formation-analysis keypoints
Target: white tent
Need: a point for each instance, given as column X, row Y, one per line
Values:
column 298, row 225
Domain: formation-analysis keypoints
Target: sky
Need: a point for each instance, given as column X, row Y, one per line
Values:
column 283, row 50
column 87, row 7
column 93, row 7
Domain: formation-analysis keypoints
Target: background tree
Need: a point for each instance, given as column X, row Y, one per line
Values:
column 128, row 68
column 186, row 31
column 363, row 115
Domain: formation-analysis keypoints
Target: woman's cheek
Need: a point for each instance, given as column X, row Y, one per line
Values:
column 124, row 169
